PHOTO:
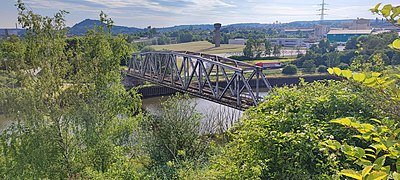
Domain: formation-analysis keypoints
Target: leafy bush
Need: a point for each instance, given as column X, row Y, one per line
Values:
column 343, row 66
column 279, row 139
column 395, row 59
column 289, row 69
column 147, row 49
column 172, row 137
column 379, row 158
column 377, row 161
column 309, row 66
column 73, row 118
column 322, row 69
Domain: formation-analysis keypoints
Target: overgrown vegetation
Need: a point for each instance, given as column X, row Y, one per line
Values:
column 280, row 138
column 73, row 119
column 363, row 52
column 379, row 158
column 289, row 70
column 173, row 140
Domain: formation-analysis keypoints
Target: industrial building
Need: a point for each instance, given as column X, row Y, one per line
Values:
column 9, row 32
column 321, row 31
column 343, row 35
column 239, row 41
column 358, row 24
column 358, row 27
column 290, row 42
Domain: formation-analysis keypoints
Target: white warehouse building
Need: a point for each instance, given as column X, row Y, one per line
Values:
column 238, row 41
column 288, row 42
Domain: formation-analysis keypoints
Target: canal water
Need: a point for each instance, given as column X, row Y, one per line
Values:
column 202, row 106
column 4, row 122
column 216, row 118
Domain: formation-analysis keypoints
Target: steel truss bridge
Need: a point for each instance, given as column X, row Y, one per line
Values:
column 221, row 80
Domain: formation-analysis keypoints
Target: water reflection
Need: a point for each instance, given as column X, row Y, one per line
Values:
column 216, row 118
column 4, row 122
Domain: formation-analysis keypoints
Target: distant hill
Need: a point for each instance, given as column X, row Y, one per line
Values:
column 81, row 28
column 187, row 27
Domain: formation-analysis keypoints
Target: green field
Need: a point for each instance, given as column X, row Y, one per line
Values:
column 201, row 46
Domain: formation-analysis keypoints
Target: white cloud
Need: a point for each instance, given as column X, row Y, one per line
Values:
column 282, row 11
column 58, row 5
column 191, row 5
column 159, row 13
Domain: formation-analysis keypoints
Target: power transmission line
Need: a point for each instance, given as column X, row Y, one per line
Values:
column 322, row 10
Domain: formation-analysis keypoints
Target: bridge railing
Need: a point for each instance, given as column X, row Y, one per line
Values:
column 217, row 79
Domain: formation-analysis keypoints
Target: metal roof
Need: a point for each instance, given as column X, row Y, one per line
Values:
column 348, row 31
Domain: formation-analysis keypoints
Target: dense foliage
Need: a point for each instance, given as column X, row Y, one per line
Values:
column 172, row 138
column 361, row 53
column 73, row 117
column 260, row 49
column 380, row 159
column 322, row 69
column 280, row 138
column 289, row 69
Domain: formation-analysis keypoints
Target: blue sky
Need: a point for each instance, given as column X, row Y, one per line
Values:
column 162, row 13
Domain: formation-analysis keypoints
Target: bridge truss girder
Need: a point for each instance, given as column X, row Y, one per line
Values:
column 221, row 80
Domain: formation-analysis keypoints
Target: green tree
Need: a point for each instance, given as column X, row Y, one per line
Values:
column 378, row 62
column 172, row 137
column 257, row 47
column 309, row 66
column 396, row 59
column 248, row 49
column 322, row 69
column 332, row 59
column 268, row 48
column 323, row 47
column 185, row 37
column 147, row 49
column 359, row 62
column 73, row 117
column 277, row 50
column 151, row 31
column 289, row 69
column 352, row 43
column 164, row 40
column 343, row 66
